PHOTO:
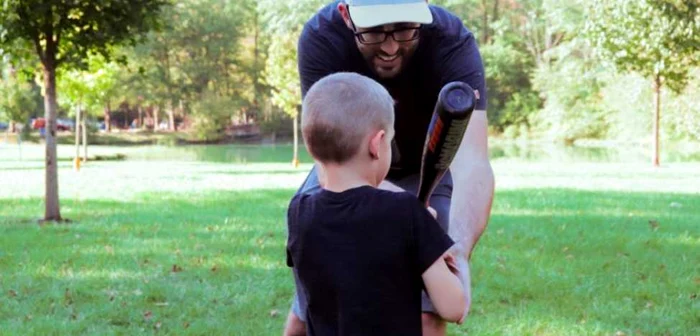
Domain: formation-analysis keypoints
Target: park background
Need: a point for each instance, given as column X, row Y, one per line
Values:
column 173, row 222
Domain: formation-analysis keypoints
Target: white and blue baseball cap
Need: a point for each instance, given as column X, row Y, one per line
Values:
column 370, row 13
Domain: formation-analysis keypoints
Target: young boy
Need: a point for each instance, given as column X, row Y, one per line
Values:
column 363, row 255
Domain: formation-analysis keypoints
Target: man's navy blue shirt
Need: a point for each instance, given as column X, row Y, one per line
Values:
column 446, row 52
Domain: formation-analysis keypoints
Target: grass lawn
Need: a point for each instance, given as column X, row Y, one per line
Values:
column 198, row 248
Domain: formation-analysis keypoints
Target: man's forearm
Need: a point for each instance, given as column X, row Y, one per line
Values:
column 473, row 185
column 472, row 197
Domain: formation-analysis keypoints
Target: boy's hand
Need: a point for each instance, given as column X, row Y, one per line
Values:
column 451, row 263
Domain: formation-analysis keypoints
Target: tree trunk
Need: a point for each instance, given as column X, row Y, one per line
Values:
column 256, row 70
column 181, row 112
column 108, row 118
column 76, row 160
column 85, row 143
column 126, row 117
column 171, row 117
column 494, row 15
column 52, row 209
column 141, row 117
column 155, row 118
column 12, row 128
column 295, row 159
column 485, row 22
column 657, row 117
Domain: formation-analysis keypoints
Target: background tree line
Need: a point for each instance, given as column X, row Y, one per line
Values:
column 214, row 62
column 558, row 70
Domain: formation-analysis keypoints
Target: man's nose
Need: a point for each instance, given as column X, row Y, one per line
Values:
column 390, row 46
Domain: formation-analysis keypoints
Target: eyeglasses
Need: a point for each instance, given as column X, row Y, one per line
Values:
column 404, row 34
column 399, row 35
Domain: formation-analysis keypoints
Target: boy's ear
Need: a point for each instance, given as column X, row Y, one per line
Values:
column 375, row 143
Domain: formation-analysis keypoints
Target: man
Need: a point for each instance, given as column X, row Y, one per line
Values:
column 413, row 49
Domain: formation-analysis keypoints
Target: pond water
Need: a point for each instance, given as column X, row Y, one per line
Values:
column 282, row 153
column 532, row 153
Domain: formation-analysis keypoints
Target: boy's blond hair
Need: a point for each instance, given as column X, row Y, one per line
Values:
column 339, row 111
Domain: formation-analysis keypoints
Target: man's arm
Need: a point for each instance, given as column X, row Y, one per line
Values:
column 473, row 185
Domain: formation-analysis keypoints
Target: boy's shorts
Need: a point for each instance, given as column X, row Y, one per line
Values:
column 439, row 200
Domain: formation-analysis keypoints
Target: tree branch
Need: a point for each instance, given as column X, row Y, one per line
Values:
column 37, row 45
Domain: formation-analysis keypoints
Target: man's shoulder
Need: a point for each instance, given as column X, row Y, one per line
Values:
column 447, row 25
column 326, row 22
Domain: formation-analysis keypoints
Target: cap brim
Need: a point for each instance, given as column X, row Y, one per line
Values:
column 377, row 15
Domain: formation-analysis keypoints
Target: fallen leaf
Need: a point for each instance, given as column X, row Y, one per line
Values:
column 68, row 297
column 147, row 315
column 176, row 268
column 274, row 313
column 214, row 268
column 649, row 305
column 693, row 296
column 186, row 325
column 12, row 293
column 620, row 333
column 158, row 325
column 654, row 224
column 109, row 249
column 566, row 248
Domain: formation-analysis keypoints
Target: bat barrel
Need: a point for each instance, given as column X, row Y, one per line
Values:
column 457, row 99
column 453, row 108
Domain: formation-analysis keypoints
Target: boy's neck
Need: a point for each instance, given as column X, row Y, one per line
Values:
column 339, row 178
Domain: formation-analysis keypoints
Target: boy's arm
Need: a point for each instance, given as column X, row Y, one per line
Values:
column 435, row 262
column 445, row 290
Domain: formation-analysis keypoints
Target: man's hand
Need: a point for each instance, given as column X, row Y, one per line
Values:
column 432, row 212
column 386, row 185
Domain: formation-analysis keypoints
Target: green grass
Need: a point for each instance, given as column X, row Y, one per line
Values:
column 187, row 248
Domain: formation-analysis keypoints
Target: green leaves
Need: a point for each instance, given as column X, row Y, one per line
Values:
column 19, row 98
column 650, row 37
column 68, row 31
column 89, row 89
column 285, row 21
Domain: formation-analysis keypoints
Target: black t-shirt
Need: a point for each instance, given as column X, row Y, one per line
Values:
column 447, row 52
column 359, row 255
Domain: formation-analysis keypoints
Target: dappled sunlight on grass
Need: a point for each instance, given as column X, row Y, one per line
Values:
column 181, row 257
column 580, row 263
column 571, row 249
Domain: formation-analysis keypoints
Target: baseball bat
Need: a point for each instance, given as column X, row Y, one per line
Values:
column 453, row 109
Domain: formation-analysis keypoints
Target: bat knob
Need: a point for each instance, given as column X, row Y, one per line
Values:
column 458, row 99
